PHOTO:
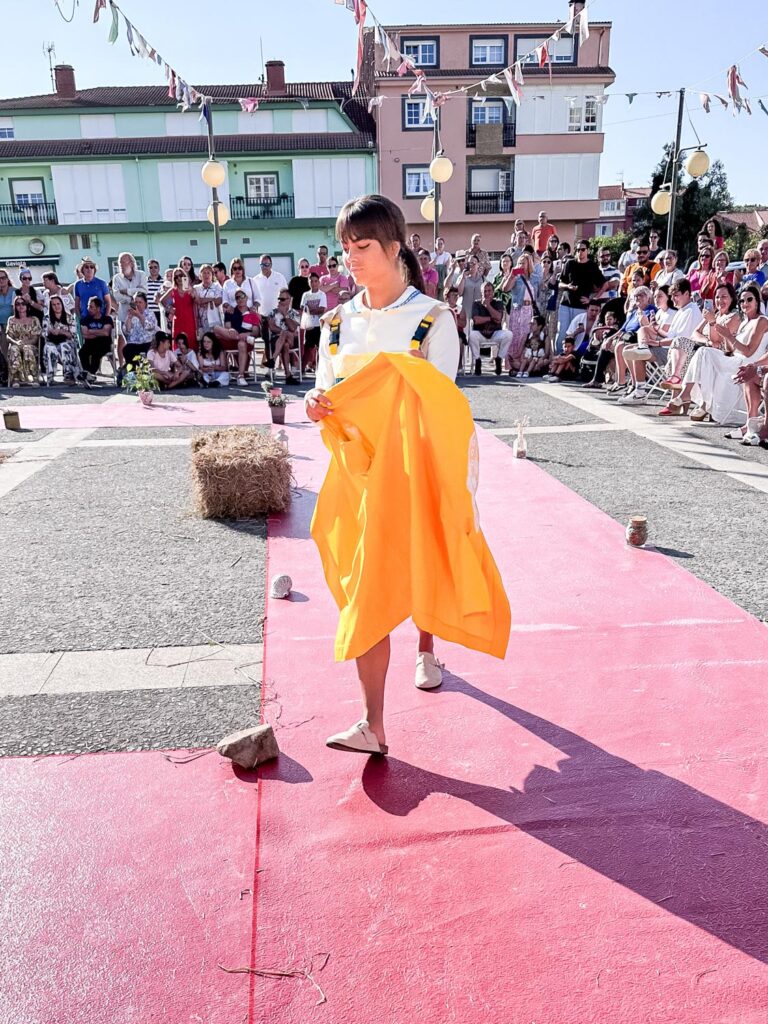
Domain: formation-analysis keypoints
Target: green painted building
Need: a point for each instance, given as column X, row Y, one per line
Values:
column 98, row 171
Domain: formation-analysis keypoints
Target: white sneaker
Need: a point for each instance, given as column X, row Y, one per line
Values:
column 551, row 378
column 519, row 374
column 637, row 397
column 429, row 671
column 526, row 374
column 242, row 382
column 358, row 740
column 751, row 436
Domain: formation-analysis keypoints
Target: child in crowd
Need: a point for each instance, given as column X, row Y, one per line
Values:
column 213, row 365
column 564, row 367
column 188, row 360
column 169, row 373
column 534, row 357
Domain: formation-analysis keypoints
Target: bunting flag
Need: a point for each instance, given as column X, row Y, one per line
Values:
column 419, row 85
column 542, row 55
column 763, row 50
column 706, row 101
column 514, row 88
column 171, row 83
column 141, row 46
column 583, row 26
column 630, row 96
column 519, row 74
column 114, row 28
column 375, row 101
column 747, row 106
column 129, row 34
column 723, row 101
column 733, row 81
column 569, row 25
column 205, row 110
column 763, row 107
column 428, row 113
column 249, row 104
column 360, row 9
column 100, row 6
column 404, row 67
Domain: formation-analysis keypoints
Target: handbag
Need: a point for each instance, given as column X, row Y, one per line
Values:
column 534, row 304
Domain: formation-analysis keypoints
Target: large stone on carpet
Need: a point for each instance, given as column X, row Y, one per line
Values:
column 249, row 747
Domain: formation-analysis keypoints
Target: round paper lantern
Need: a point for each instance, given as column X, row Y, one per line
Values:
column 223, row 214
column 213, row 173
column 441, row 169
column 428, row 208
column 661, row 203
column 697, row 163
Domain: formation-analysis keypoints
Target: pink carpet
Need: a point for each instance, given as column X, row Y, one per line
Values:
column 576, row 834
column 165, row 412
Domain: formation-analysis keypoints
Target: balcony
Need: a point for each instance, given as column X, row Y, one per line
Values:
column 508, row 134
column 490, row 202
column 267, row 208
column 12, row 215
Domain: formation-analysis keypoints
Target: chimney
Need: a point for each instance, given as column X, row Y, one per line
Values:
column 275, row 78
column 65, row 81
column 577, row 5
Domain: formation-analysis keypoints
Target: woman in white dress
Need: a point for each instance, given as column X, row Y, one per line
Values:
column 708, row 381
column 383, row 317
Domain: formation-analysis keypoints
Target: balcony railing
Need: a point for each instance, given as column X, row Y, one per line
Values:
column 12, row 215
column 490, row 202
column 508, row 135
column 271, row 208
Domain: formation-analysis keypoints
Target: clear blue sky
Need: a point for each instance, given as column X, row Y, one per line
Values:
column 219, row 42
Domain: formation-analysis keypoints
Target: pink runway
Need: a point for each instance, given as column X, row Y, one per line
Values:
column 165, row 412
column 574, row 835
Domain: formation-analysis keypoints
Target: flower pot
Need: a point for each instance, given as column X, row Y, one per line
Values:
column 275, row 391
column 11, row 418
column 146, row 397
column 278, row 413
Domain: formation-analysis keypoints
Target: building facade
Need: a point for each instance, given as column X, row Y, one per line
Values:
column 618, row 210
column 509, row 161
column 99, row 171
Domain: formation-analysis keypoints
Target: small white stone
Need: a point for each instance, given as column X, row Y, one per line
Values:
column 281, row 586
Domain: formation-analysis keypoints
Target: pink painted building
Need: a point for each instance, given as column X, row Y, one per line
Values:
column 509, row 161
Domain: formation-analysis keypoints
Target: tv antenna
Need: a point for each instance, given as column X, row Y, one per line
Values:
column 50, row 50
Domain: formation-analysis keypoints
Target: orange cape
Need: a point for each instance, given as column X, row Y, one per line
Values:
column 396, row 521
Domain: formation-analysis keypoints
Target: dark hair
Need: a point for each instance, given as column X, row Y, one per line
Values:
column 379, row 218
column 18, row 299
column 60, row 318
column 193, row 278
column 682, row 285
column 215, row 344
column 181, row 336
column 753, row 289
column 553, row 238
column 665, row 289
column 315, row 274
column 718, row 226
column 454, row 289
column 160, row 336
column 97, row 300
column 731, row 295
column 643, row 240
column 539, row 319
column 220, row 266
column 565, row 246
column 582, row 241
column 141, row 295
column 50, row 276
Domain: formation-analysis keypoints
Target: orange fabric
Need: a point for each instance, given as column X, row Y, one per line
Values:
column 396, row 521
column 650, row 271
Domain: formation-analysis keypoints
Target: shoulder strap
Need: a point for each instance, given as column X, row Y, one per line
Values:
column 332, row 320
column 425, row 323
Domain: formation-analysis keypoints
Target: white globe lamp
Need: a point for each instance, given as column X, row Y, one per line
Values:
column 213, row 173
column 223, row 214
column 697, row 163
column 441, row 169
column 428, row 208
column 661, row 203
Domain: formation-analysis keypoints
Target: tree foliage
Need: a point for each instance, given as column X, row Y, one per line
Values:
column 701, row 199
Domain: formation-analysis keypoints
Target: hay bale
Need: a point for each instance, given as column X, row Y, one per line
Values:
column 239, row 473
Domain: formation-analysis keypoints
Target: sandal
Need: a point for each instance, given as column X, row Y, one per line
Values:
column 675, row 408
column 701, row 416
column 672, row 383
column 357, row 740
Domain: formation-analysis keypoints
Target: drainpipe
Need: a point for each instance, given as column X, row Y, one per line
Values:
column 141, row 207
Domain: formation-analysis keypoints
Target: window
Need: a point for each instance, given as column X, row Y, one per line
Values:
column 561, row 51
column 603, row 230
column 80, row 241
column 310, row 120
column 413, row 113
column 489, row 51
column 611, row 206
column 97, row 126
column 27, row 191
column 417, row 181
column 490, row 112
column 261, row 186
column 257, row 123
column 423, row 52
column 184, row 124
column 583, row 116
column 6, row 128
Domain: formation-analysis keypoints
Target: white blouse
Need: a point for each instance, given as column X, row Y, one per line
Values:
column 366, row 331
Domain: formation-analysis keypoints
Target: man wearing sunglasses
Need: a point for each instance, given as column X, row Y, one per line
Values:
column 644, row 263
column 580, row 281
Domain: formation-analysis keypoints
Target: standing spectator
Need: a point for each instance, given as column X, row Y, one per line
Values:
column 609, row 272
column 126, row 283
column 441, row 261
column 139, row 331
column 28, row 292
column 459, row 317
column 542, row 233
column 283, row 324
column 299, row 284
column 53, row 287
column 504, row 281
column 487, row 321
column 320, row 268
column 519, row 241
column 60, row 342
column 90, row 287
column 24, row 332
column 521, row 311
column 220, row 273
column 547, row 295
column 653, row 242
column 242, row 328
column 7, row 296
column 97, row 328
column 165, row 301
column 183, row 307
column 644, row 263
column 670, row 272
column 154, row 284
column 238, row 282
column 552, row 246
column 333, row 283
column 713, row 229
column 482, row 257
column 428, row 273
column 269, row 283
column 208, row 297
column 629, row 256
column 470, row 283
column 580, row 279
column 702, row 276
column 186, row 264
column 414, row 242
column 563, row 255
column 313, row 304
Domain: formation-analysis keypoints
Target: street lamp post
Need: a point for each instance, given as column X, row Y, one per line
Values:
column 214, row 175
column 440, row 171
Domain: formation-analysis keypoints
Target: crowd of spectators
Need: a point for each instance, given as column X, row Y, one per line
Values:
column 543, row 309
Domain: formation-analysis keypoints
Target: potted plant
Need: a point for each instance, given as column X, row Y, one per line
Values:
column 277, row 404
column 139, row 377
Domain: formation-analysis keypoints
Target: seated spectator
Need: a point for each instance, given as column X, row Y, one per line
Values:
column 686, row 318
column 709, row 379
column 283, row 326
column 23, row 332
column 333, row 282
column 752, row 273
column 581, row 327
column 720, row 268
column 213, row 362
column 240, row 333
column 313, row 304
column 460, row 319
column 626, row 335
column 97, row 329
column 565, row 366
column 428, row 273
column 487, row 321
column 725, row 314
column 670, row 272
column 644, row 263
column 535, row 356
column 60, row 342
column 188, row 360
column 600, row 341
column 27, row 291
column 754, row 379
column 169, row 372
column 140, row 330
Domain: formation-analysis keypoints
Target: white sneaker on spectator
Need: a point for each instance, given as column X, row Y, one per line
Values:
column 551, row 378
column 242, row 382
column 751, row 436
column 519, row 374
column 526, row 374
column 637, row 397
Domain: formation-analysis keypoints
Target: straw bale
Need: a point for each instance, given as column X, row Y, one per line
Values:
column 239, row 473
